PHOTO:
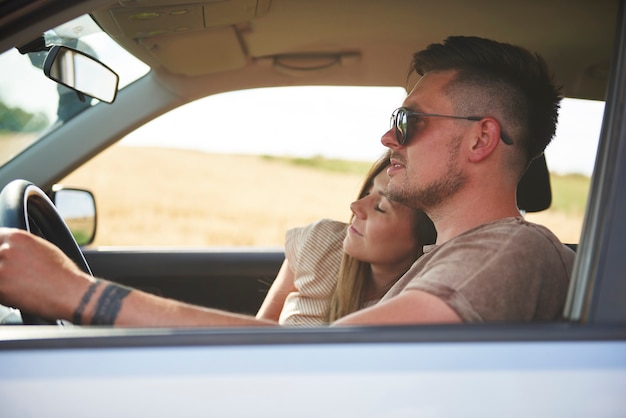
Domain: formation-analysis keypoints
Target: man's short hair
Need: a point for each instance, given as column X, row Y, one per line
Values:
column 503, row 76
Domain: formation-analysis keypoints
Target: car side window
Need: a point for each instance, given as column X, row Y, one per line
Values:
column 240, row 168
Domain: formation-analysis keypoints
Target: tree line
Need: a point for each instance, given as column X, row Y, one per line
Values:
column 15, row 119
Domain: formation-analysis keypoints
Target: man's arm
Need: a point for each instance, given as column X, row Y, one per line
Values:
column 409, row 307
column 144, row 309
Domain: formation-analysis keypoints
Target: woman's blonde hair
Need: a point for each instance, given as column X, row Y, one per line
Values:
column 354, row 274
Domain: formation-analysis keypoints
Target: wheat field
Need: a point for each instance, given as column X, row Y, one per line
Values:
column 176, row 197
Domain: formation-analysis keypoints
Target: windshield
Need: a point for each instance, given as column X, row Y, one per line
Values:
column 32, row 105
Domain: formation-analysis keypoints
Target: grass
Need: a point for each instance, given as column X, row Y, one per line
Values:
column 190, row 198
column 570, row 193
column 324, row 164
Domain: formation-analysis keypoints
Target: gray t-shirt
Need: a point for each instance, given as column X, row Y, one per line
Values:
column 507, row 270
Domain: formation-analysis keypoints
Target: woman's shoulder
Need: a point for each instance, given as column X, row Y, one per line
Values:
column 322, row 235
column 323, row 227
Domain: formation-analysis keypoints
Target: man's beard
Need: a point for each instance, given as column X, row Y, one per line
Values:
column 436, row 192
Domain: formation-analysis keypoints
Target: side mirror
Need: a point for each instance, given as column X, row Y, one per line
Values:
column 77, row 207
column 81, row 72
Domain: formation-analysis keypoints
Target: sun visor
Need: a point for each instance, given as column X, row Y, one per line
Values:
column 197, row 53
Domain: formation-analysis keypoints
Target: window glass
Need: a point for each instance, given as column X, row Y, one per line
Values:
column 570, row 158
column 240, row 168
column 32, row 105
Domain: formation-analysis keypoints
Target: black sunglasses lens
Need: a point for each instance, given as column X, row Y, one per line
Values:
column 401, row 126
column 399, row 123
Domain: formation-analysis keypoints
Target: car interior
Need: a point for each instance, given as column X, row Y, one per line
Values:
column 201, row 48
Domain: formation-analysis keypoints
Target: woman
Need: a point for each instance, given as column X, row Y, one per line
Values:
column 332, row 269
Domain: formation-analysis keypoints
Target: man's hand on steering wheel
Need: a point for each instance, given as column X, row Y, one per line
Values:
column 38, row 274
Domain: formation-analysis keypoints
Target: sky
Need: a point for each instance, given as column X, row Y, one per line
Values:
column 334, row 122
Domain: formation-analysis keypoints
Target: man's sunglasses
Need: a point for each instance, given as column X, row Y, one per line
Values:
column 400, row 122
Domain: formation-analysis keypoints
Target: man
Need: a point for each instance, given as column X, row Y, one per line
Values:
column 459, row 145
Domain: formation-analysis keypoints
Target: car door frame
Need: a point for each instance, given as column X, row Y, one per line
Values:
column 598, row 288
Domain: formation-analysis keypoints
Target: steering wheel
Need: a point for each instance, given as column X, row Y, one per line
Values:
column 25, row 206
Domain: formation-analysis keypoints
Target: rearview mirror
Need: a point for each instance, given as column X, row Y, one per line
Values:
column 77, row 207
column 81, row 72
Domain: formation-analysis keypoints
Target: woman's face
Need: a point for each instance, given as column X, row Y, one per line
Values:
column 381, row 232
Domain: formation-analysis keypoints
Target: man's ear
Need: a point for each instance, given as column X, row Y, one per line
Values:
column 486, row 139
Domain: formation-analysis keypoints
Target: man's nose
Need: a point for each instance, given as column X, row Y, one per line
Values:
column 389, row 139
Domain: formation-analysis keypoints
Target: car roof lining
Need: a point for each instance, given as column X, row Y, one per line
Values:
column 575, row 37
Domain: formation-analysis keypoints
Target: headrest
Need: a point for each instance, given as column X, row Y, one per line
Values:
column 534, row 193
